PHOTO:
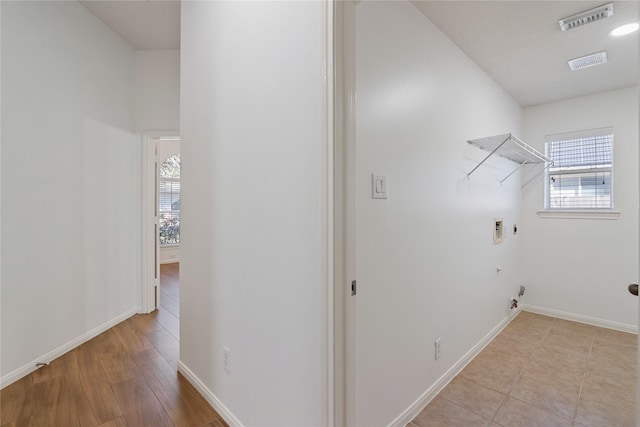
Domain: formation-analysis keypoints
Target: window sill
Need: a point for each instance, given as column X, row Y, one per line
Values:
column 579, row 214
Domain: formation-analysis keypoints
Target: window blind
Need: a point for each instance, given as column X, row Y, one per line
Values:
column 169, row 201
column 580, row 177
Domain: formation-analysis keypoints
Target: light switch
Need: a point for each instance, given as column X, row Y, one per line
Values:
column 378, row 186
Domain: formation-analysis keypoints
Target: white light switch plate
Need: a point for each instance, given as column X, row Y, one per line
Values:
column 379, row 187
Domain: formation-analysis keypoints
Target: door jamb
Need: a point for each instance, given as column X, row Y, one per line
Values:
column 150, row 253
column 344, row 213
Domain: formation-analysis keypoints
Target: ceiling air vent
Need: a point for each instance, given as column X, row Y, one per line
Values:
column 586, row 17
column 588, row 61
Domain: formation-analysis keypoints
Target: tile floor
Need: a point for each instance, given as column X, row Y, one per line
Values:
column 543, row 371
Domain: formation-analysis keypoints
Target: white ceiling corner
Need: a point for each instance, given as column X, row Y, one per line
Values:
column 520, row 45
column 145, row 25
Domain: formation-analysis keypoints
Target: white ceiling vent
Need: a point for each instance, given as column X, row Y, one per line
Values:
column 586, row 17
column 588, row 61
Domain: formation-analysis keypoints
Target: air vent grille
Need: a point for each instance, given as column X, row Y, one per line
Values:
column 588, row 61
column 586, row 17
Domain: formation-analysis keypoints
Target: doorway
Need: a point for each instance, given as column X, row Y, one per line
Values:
column 168, row 235
column 161, row 226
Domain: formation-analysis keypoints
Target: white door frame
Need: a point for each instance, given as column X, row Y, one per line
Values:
column 344, row 213
column 150, row 244
column 638, row 361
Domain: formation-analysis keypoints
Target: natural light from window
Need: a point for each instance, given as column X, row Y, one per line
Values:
column 580, row 176
column 169, row 201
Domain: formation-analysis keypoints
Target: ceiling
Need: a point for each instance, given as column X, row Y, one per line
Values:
column 518, row 43
column 146, row 25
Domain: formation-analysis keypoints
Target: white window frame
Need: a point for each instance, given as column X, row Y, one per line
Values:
column 162, row 179
column 579, row 213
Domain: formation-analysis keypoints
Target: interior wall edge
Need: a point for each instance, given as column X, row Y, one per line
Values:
column 30, row 367
column 580, row 318
column 209, row 396
column 412, row 411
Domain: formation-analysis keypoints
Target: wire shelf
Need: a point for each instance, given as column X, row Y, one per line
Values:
column 511, row 148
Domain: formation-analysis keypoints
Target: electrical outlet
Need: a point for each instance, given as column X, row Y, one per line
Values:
column 437, row 348
column 226, row 359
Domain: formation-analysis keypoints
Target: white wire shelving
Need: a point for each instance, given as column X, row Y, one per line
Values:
column 511, row 148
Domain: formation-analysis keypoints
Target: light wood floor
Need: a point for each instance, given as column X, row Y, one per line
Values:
column 125, row 377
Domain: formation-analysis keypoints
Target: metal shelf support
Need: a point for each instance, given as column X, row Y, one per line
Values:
column 511, row 148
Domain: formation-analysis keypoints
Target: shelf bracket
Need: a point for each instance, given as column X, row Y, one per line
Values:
column 514, row 171
column 511, row 148
column 490, row 154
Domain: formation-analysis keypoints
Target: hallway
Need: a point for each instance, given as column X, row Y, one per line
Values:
column 124, row 377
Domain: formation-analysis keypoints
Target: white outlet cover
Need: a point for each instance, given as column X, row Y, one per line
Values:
column 226, row 359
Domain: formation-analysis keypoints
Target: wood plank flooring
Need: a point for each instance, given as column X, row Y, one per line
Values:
column 124, row 377
column 169, row 312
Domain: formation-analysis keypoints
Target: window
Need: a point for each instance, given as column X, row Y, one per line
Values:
column 580, row 176
column 169, row 201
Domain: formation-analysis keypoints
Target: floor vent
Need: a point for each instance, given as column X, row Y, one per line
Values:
column 588, row 61
column 586, row 17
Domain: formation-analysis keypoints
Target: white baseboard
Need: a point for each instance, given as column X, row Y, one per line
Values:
column 25, row 370
column 633, row 329
column 422, row 402
column 169, row 254
column 442, row 382
column 222, row 410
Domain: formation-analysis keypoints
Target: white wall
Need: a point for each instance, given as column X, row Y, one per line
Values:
column 158, row 105
column 70, row 179
column 157, row 90
column 426, row 262
column 252, row 82
column 583, row 266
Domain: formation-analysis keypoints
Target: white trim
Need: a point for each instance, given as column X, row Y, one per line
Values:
column 30, row 367
column 579, row 214
column 339, row 411
column 169, row 254
column 345, row 303
column 422, row 402
column 1, row 379
column 609, row 324
column 327, row 215
column 412, row 411
column 587, row 133
column 150, row 272
column 216, row 403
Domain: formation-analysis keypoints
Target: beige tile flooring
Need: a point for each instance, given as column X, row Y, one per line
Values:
column 543, row 371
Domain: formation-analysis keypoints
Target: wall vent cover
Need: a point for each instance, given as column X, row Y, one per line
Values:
column 586, row 17
column 588, row 61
